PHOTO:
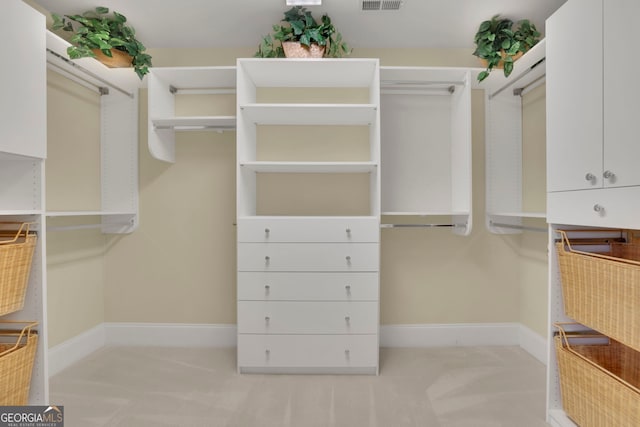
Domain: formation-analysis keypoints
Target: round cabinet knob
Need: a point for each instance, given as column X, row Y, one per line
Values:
column 267, row 288
column 347, row 353
column 609, row 175
column 590, row 177
column 267, row 259
column 348, row 230
column 267, row 231
column 347, row 319
column 267, row 353
column 348, row 258
column 267, row 319
column 598, row 208
column 348, row 289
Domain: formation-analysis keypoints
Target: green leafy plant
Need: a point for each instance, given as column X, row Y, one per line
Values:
column 498, row 40
column 97, row 29
column 298, row 25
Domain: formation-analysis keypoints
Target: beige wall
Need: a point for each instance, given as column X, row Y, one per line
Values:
column 75, row 259
column 179, row 266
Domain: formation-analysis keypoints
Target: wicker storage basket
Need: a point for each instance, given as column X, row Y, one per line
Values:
column 16, row 253
column 603, row 291
column 17, row 353
column 598, row 382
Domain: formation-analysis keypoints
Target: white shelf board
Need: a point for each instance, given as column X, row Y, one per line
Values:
column 425, row 213
column 196, row 123
column 323, row 72
column 310, row 114
column 542, row 215
column 310, row 167
column 59, row 214
column 306, row 217
column 191, row 78
column 401, row 76
column 20, row 212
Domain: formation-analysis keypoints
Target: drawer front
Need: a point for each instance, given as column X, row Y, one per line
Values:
column 608, row 207
column 308, row 256
column 307, row 351
column 313, row 229
column 267, row 286
column 302, row 317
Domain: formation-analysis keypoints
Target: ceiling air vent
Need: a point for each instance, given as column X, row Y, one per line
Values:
column 381, row 4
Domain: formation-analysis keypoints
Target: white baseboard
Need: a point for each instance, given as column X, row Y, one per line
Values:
column 225, row 336
column 534, row 344
column 465, row 334
column 72, row 350
column 170, row 335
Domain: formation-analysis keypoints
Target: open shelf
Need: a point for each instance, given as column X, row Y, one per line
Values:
column 195, row 123
column 310, row 114
column 310, row 167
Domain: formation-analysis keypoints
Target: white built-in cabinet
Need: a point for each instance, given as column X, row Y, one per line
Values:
column 118, row 88
column 592, row 128
column 504, row 151
column 592, row 121
column 307, row 284
column 426, row 145
column 23, row 148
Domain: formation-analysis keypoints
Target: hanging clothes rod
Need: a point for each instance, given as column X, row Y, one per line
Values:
column 519, row 91
column 519, row 227
column 103, row 90
column 520, row 76
column 202, row 90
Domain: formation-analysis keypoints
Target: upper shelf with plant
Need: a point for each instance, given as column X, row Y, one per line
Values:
column 98, row 34
column 499, row 43
column 301, row 35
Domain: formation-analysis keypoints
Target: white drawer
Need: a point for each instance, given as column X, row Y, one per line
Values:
column 311, row 229
column 307, row 351
column 330, row 286
column 616, row 207
column 301, row 317
column 308, row 256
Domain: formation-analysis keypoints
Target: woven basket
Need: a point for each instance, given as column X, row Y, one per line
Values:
column 118, row 59
column 17, row 353
column 599, row 383
column 602, row 291
column 16, row 253
column 297, row 50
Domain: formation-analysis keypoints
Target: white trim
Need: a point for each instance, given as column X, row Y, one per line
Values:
column 534, row 344
column 72, row 350
column 444, row 335
column 171, row 334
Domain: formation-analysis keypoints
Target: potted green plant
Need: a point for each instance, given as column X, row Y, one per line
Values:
column 499, row 43
column 104, row 36
column 300, row 35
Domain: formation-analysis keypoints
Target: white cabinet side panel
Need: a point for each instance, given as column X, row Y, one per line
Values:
column 161, row 105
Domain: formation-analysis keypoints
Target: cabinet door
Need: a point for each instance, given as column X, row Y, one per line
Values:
column 574, row 96
column 621, row 93
column 23, row 74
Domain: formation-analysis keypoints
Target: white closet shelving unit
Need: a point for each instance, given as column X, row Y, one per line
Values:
column 426, row 144
column 503, row 142
column 307, row 285
column 118, row 140
column 164, row 84
column 23, row 147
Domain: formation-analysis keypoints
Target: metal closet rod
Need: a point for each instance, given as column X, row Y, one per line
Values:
column 520, row 76
column 102, row 90
column 519, row 227
column 419, row 225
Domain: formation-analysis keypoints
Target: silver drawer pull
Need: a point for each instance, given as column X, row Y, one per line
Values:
column 590, row 177
column 598, row 208
column 267, row 353
column 347, row 353
column 608, row 175
column 266, row 319
column 267, row 288
column 347, row 319
column 267, row 231
column 348, row 258
column 267, row 259
column 348, row 289
column 348, row 230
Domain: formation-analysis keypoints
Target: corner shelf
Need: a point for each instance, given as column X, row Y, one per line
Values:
column 504, row 141
column 164, row 83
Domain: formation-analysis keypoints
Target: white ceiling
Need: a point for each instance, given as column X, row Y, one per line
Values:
column 241, row 23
